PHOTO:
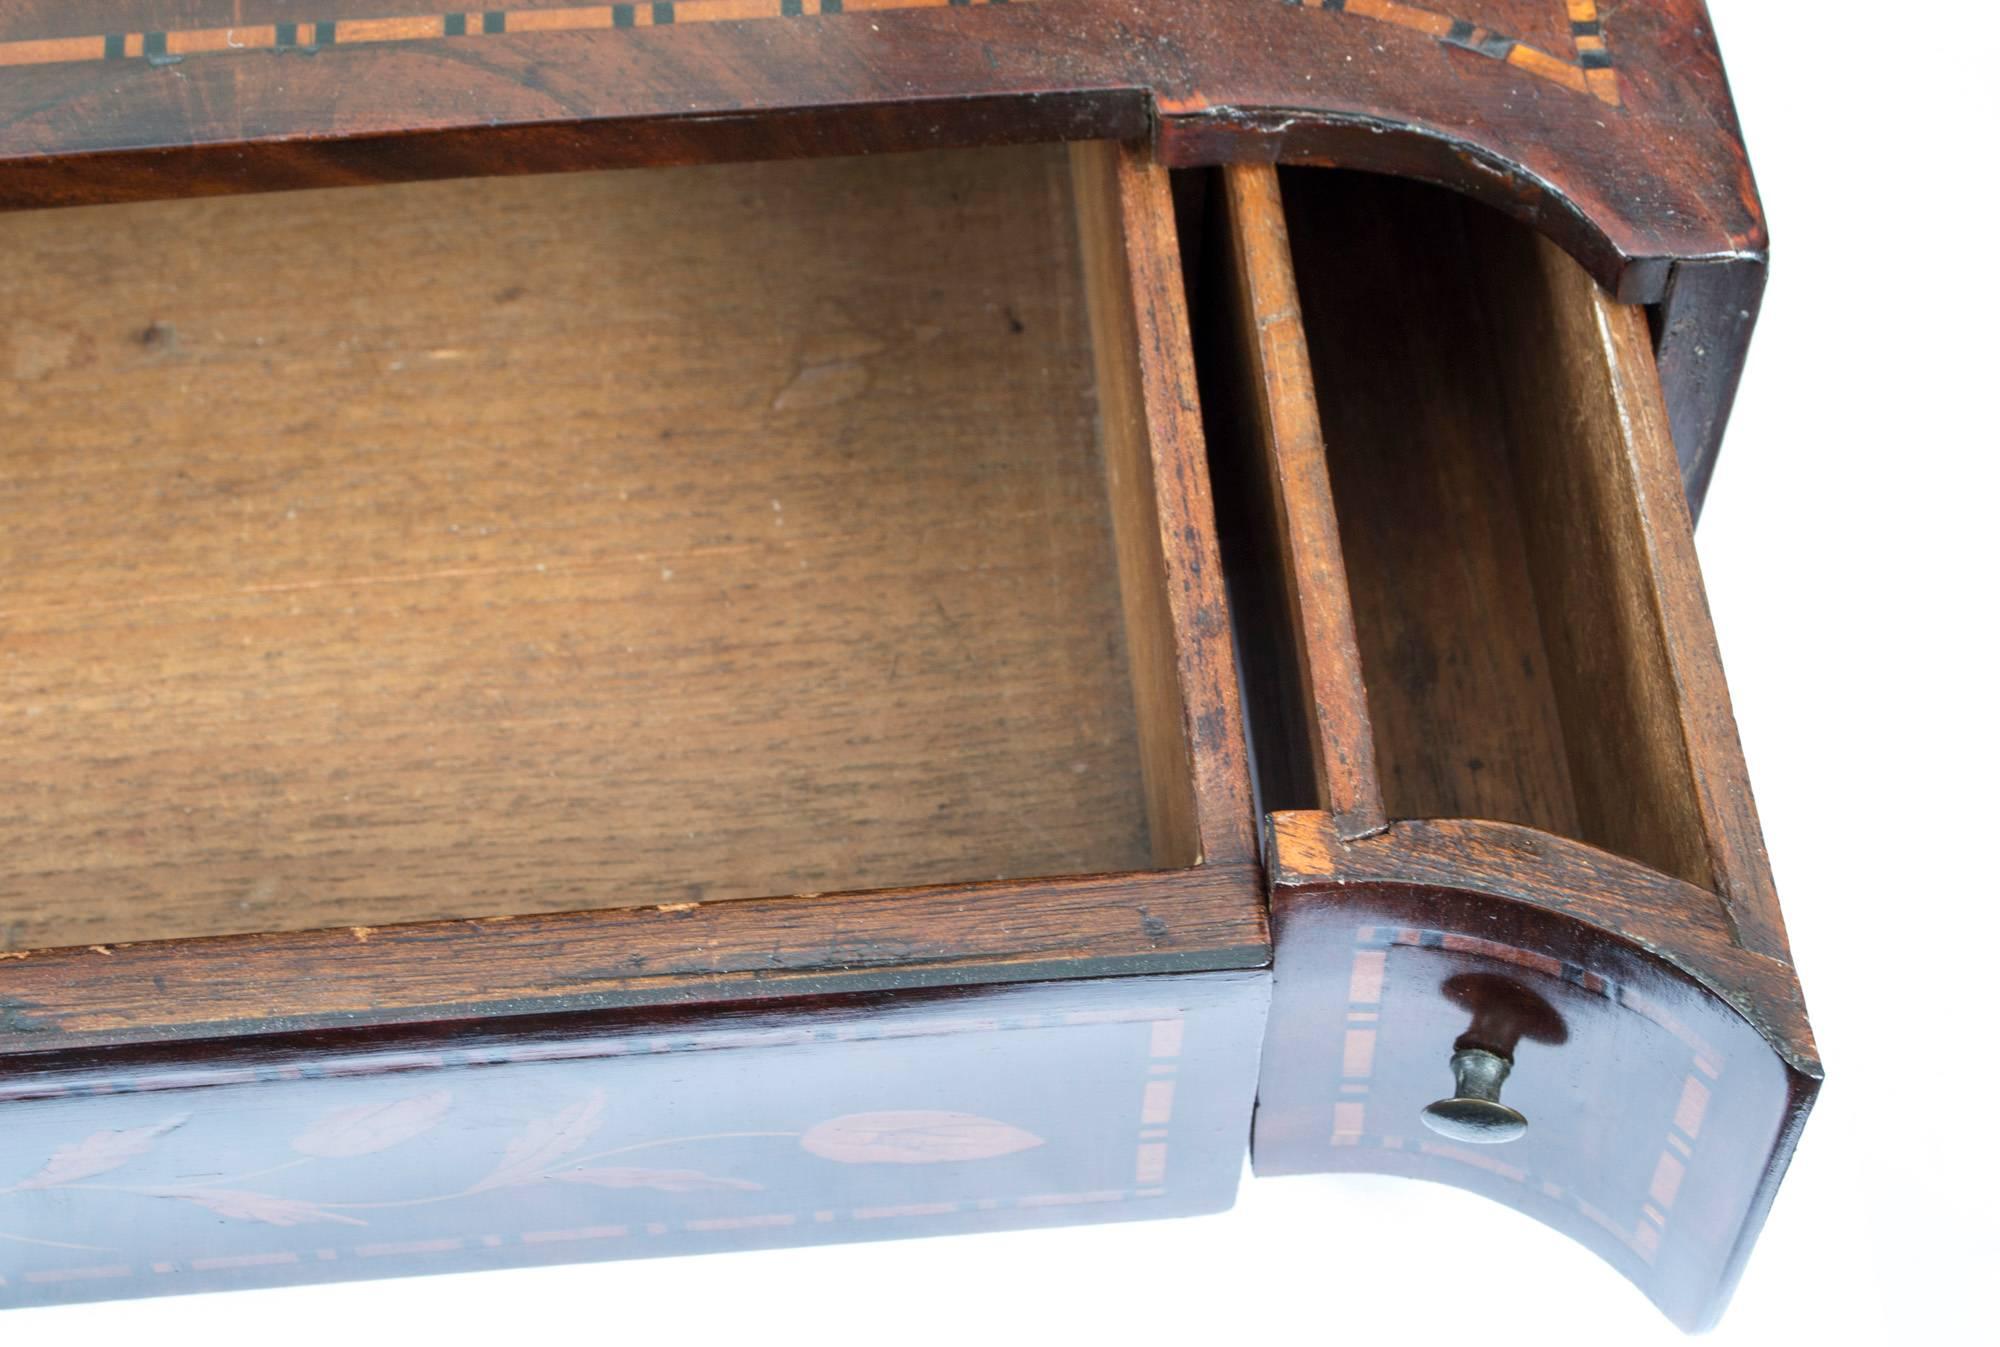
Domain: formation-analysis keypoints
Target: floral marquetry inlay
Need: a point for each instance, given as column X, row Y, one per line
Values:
column 545, row 1150
column 718, row 1138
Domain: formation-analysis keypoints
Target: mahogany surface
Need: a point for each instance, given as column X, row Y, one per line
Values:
column 1661, row 1124
column 1608, row 127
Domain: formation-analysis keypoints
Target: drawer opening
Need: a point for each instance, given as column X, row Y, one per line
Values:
column 528, row 545
column 1485, row 638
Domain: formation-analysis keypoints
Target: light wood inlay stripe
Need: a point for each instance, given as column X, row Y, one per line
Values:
column 1590, row 73
column 170, row 46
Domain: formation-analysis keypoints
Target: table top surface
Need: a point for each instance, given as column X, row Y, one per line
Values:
column 1613, row 129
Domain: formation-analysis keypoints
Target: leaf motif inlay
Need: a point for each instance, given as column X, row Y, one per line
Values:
column 368, row 1128
column 915, row 1137
column 246, row 1206
column 543, row 1142
column 99, row 1153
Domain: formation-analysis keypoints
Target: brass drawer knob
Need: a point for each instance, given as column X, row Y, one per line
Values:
column 1474, row 1112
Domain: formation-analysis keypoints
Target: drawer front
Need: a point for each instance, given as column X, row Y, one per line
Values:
column 1527, row 940
column 1658, row 1119
column 842, row 1119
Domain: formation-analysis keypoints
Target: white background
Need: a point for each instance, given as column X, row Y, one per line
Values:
column 1848, row 544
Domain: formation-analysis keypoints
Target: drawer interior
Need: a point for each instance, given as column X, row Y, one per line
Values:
column 1486, row 635
column 521, row 545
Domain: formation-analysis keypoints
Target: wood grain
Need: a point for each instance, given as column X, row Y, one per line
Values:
column 1632, row 181
column 1660, row 773
column 1613, row 131
column 1468, row 372
column 1581, row 647
column 521, row 546
column 179, row 995
column 1169, row 564
column 1578, row 444
column 1534, row 636
column 1414, row 415
column 1277, row 381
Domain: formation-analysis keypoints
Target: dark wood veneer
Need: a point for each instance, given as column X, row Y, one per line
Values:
column 1623, row 147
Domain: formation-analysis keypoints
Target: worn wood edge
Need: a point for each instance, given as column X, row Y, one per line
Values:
column 1182, row 656
column 151, row 1066
column 1185, row 134
column 1182, row 138
column 1210, row 918
column 1271, row 330
column 1668, row 919
column 1194, row 134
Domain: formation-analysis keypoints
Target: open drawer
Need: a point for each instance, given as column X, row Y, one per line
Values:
column 1510, row 828
column 503, row 547
column 475, row 654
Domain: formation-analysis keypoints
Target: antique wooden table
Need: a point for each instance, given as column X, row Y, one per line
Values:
column 763, row 690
